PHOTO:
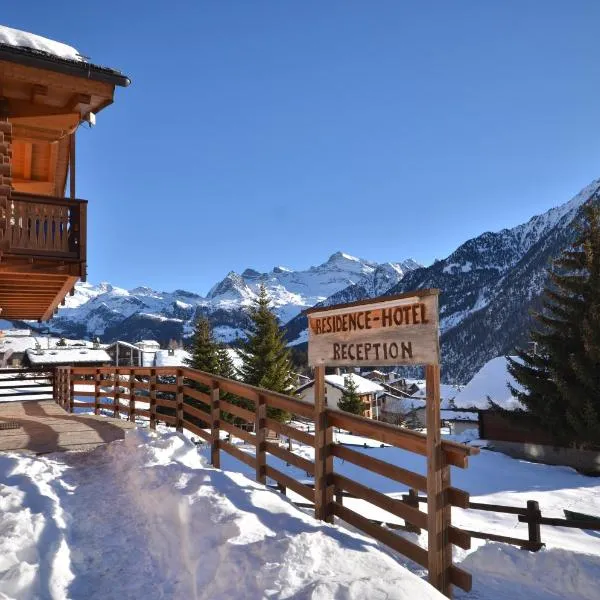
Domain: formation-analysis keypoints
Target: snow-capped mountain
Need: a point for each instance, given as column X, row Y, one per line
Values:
column 489, row 286
column 111, row 312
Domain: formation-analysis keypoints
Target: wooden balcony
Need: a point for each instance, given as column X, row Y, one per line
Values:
column 43, row 253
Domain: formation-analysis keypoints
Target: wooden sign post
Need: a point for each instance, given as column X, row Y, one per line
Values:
column 391, row 331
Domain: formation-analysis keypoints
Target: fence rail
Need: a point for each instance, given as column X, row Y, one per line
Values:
column 205, row 405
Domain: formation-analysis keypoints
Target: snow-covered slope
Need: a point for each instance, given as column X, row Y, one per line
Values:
column 113, row 313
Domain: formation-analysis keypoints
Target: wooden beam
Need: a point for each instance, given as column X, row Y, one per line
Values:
column 38, row 92
column 27, row 159
column 64, row 290
column 72, row 165
column 76, row 101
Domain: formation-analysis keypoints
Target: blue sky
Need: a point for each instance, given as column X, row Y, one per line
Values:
column 258, row 133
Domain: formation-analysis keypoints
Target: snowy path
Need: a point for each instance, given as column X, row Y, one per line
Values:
column 146, row 518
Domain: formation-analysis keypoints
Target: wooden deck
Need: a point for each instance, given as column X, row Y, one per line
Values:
column 43, row 426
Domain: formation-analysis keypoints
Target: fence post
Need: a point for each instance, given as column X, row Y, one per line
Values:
column 179, row 400
column 439, row 554
column 132, row 396
column 215, row 414
column 261, row 438
column 116, row 394
column 324, row 490
column 153, row 399
column 533, row 525
column 412, row 500
column 71, row 391
column 97, row 392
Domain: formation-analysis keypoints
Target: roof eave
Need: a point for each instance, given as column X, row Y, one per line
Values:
column 42, row 60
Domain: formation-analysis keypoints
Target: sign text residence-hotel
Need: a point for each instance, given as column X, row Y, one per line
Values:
column 390, row 331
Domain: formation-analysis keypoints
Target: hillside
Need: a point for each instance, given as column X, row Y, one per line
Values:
column 489, row 285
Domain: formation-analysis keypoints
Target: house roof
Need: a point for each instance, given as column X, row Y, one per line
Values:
column 162, row 358
column 363, row 386
column 37, row 51
column 67, row 356
column 490, row 381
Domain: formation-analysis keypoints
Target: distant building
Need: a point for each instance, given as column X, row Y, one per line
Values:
column 40, row 358
column 124, row 354
column 171, row 358
column 334, row 384
column 149, row 349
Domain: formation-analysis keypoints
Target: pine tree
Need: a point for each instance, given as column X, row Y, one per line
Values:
column 265, row 358
column 350, row 400
column 204, row 350
column 226, row 367
column 561, row 377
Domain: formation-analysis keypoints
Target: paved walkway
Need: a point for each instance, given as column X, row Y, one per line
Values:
column 43, row 426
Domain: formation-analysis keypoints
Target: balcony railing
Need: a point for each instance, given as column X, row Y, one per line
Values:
column 44, row 226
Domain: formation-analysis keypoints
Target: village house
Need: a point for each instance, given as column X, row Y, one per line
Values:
column 334, row 385
column 44, row 359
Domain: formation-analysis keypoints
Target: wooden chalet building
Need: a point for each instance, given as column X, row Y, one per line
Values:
column 46, row 92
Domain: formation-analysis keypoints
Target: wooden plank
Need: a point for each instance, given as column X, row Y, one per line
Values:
column 171, row 420
column 166, row 402
column 215, row 411
column 291, row 483
column 592, row 525
column 197, row 395
column 97, row 392
column 261, row 437
column 504, row 539
column 510, row 510
column 380, row 467
column 397, row 543
column 291, row 458
column 391, row 505
column 198, row 376
column 238, row 411
column 292, row 432
column 196, row 430
column 239, row 454
column 241, row 434
column 132, row 397
column 196, row 412
column 153, row 399
column 83, row 405
column 179, row 400
column 166, row 387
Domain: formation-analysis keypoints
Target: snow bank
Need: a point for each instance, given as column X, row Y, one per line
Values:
column 23, row 39
column 147, row 518
column 491, row 380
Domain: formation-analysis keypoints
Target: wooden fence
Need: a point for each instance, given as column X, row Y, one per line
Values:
column 196, row 401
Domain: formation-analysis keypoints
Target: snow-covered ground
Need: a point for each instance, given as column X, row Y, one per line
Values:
column 69, row 523
column 146, row 518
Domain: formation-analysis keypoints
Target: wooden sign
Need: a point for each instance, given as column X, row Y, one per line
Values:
column 398, row 330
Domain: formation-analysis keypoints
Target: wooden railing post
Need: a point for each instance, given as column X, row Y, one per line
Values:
column 179, row 400
column 412, row 500
column 71, row 391
column 533, row 524
column 97, row 392
column 261, row 438
column 153, row 399
column 439, row 554
column 324, row 490
column 132, row 396
column 116, row 394
column 215, row 414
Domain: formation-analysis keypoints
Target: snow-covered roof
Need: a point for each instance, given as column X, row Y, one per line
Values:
column 400, row 404
column 363, row 386
column 162, row 358
column 459, row 415
column 24, row 39
column 68, row 356
column 491, row 380
column 23, row 343
column 147, row 344
column 15, row 333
